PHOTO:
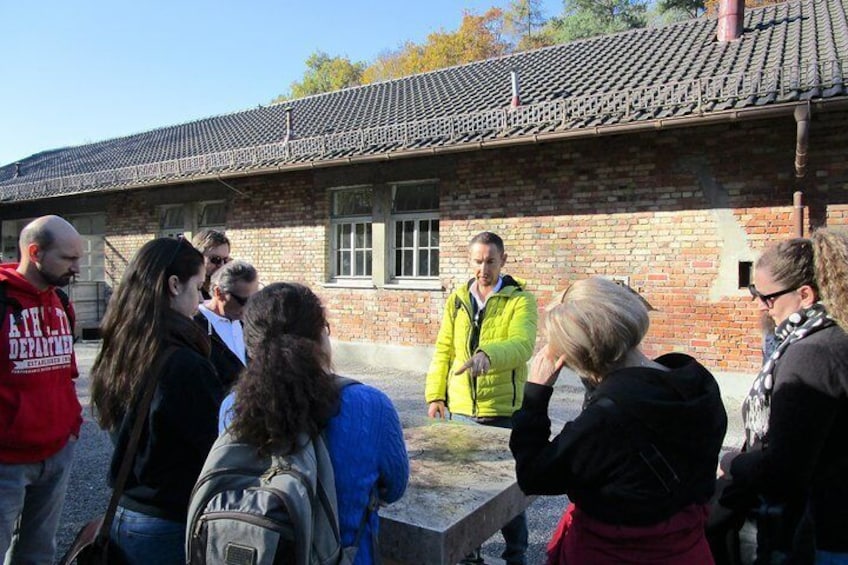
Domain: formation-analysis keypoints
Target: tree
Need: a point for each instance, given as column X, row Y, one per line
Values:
column 696, row 8
column 478, row 37
column 588, row 18
column 524, row 24
column 325, row 74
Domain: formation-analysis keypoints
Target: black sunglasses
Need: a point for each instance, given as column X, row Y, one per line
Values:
column 242, row 300
column 768, row 299
column 215, row 260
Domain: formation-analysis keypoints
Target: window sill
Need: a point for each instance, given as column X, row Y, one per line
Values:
column 415, row 285
column 429, row 285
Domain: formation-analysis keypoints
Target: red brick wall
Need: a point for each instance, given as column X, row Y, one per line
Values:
column 673, row 210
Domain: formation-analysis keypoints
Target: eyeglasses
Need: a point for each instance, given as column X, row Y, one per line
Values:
column 218, row 261
column 768, row 299
column 242, row 300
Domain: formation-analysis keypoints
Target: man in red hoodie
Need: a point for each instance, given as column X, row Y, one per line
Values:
column 40, row 415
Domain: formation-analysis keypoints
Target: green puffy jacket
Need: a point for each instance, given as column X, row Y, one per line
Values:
column 507, row 337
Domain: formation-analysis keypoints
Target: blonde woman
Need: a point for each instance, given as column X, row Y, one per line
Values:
column 639, row 461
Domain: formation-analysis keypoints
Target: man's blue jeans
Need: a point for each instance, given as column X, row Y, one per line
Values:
column 35, row 494
column 515, row 531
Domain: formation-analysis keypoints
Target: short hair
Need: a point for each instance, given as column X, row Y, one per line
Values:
column 227, row 276
column 594, row 324
column 205, row 240
column 39, row 233
column 488, row 238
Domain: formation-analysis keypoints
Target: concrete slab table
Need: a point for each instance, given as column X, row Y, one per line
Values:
column 461, row 491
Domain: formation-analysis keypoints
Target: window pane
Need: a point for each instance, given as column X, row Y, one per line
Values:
column 352, row 202
column 434, row 264
column 344, row 236
column 344, row 264
column 411, row 198
column 434, row 233
column 398, row 234
column 408, row 259
column 423, row 264
column 212, row 214
column 172, row 218
column 368, row 263
column 423, row 233
column 360, row 236
column 399, row 263
column 408, row 234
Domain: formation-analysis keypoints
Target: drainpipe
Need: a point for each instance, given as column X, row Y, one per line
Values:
column 798, row 214
column 731, row 14
column 516, row 102
column 802, row 138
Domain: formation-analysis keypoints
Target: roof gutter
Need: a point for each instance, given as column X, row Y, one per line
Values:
column 726, row 116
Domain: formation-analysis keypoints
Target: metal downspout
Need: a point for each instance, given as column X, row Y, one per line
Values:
column 802, row 139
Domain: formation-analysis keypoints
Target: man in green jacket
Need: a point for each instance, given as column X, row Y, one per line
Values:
column 479, row 368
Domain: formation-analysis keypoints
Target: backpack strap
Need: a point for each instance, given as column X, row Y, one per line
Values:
column 5, row 301
column 66, row 306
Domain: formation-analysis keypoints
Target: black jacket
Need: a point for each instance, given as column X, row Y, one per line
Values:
column 806, row 459
column 645, row 446
column 181, row 427
column 226, row 363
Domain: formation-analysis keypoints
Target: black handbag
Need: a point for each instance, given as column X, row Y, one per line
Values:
column 92, row 545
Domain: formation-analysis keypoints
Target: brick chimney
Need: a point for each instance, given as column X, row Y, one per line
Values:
column 731, row 14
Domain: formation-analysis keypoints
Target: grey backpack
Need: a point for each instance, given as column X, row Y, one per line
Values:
column 251, row 510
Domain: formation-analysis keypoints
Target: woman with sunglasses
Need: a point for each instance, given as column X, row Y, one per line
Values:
column 639, row 461
column 794, row 462
column 148, row 334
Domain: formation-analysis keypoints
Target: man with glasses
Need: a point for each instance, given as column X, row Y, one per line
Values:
column 220, row 316
column 216, row 253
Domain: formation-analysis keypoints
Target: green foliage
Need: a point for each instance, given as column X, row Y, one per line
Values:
column 691, row 8
column 325, row 74
column 589, row 18
column 524, row 25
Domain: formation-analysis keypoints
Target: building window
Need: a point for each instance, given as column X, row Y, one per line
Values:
column 352, row 235
column 212, row 215
column 171, row 220
column 415, row 237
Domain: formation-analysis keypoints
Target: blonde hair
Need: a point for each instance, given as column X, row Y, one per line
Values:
column 594, row 324
column 830, row 257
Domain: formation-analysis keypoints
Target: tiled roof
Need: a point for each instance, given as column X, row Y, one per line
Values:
column 788, row 52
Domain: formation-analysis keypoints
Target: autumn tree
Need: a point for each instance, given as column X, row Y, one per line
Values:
column 478, row 37
column 324, row 74
column 588, row 18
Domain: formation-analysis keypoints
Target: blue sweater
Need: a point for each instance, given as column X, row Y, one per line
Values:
column 366, row 446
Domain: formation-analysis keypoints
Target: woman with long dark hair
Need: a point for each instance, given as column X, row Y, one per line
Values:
column 288, row 389
column 150, row 314
column 794, row 463
column 639, row 461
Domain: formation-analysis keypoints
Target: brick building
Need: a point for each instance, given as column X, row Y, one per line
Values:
column 664, row 158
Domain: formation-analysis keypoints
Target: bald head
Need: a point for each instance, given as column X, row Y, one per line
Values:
column 50, row 251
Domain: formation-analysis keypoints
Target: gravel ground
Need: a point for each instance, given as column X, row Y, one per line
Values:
column 88, row 494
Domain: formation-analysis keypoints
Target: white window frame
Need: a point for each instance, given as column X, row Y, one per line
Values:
column 338, row 223
column 414, row 216
column 383, row 248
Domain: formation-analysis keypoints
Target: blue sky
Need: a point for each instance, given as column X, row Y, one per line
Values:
column 77, row 72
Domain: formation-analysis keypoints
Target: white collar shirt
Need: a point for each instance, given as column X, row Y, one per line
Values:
column 230, row 332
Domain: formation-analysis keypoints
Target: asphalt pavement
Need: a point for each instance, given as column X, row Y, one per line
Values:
column 88, row 493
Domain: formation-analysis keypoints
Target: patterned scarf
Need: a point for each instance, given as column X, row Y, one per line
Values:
column 756, row 407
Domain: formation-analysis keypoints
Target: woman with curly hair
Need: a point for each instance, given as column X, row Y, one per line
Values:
column 150, row 314
column 796, row 413
column 638, row 463
column 288, row 389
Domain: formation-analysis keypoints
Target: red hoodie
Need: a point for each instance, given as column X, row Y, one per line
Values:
column 39, row 409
